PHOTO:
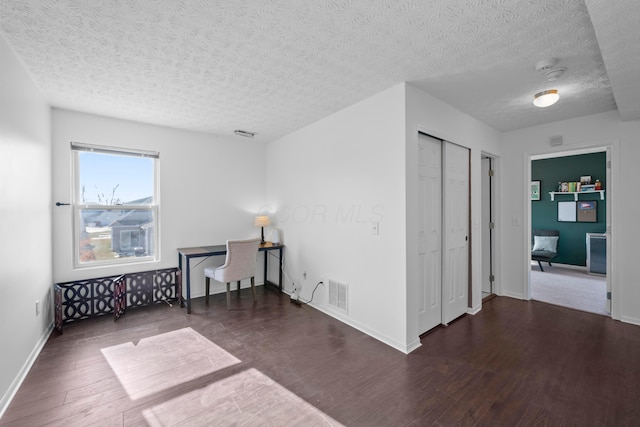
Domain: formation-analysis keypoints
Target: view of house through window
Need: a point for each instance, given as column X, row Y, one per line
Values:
column 115, row 205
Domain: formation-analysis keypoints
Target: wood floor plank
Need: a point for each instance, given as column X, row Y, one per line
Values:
column 515, row 363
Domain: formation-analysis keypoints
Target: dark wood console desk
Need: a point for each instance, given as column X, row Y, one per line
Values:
column 216, row 250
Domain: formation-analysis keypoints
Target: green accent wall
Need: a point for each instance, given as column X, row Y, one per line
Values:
column 544, row 213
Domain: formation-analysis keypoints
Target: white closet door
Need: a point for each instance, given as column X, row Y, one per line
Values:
column 455, row 274
column 429, row 232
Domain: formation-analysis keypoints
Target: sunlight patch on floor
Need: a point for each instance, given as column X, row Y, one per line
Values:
column 246, row 398
column 163, row 361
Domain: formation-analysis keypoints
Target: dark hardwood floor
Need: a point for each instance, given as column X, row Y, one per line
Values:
column 516, row 363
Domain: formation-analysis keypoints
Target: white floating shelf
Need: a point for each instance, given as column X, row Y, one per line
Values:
column 575, row 193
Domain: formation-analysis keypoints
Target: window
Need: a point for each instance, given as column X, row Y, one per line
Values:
column 115, row 205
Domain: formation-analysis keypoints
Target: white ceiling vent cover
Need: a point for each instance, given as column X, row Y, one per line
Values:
column 338, row 293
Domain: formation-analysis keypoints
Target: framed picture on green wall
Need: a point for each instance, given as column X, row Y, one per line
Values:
column 535, row 190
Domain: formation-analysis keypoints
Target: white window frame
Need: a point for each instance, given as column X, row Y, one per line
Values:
column 78, row 206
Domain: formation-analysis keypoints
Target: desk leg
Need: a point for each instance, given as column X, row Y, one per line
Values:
column 266, row 278
column 188, row 276
column 280, row 272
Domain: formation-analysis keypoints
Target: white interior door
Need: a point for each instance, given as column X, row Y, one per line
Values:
column 455, row 274
column 429, row 231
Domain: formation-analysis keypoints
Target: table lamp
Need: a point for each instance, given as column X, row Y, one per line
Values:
column 262, row 221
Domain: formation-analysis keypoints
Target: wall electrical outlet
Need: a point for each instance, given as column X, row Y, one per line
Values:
column 37, row 307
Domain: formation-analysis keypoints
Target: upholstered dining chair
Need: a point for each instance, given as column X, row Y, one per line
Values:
column 242, row 256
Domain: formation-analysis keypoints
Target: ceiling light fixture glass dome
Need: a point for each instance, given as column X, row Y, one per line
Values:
column 546, row 98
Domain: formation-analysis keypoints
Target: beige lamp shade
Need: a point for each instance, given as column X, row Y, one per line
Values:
column 261, row 221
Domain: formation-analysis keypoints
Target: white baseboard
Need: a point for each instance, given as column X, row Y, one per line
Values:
column 631, row 320
column 408, row 348
column 22, row 374
column 513, row 295
column 413, row 345
column 474, row 310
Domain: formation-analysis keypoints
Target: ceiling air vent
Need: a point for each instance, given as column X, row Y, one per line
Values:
column 244, row 133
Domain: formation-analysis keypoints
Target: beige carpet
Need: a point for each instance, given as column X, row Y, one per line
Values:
column 569, row 288
column 182, row 378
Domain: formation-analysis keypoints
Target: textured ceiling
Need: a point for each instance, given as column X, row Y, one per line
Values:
column 617, row 25
column 274, row 66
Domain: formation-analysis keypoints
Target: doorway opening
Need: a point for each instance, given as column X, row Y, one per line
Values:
column 566, row 204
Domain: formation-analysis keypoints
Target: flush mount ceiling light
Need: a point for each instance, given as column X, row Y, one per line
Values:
column 546, row 98
column 244, row 133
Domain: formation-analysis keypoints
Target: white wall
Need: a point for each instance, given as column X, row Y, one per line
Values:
column 210, row 189
column 25, row 222
column 362, row 160
column 436, row 118
column 583, row 132
column 327, row 183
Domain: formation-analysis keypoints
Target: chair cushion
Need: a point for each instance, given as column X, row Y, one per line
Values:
column 545, row 244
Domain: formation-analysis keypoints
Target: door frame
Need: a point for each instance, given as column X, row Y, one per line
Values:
column 612, row 147
column 492, row 182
